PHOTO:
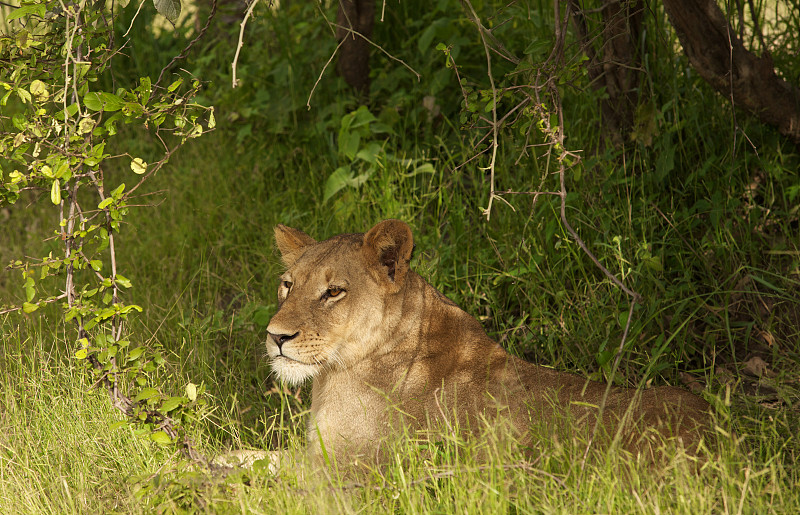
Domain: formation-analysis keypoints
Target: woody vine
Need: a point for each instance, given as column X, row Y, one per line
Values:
column 56, row 125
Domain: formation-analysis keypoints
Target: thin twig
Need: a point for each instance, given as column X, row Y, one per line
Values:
column 390, row 56
column 39, row 303
column 352, row 33
column 563, row 194
column 535, row 193
column 319, row 78
column 133, row 20
column 188, row 47
column 487, row 212
column 240, row 43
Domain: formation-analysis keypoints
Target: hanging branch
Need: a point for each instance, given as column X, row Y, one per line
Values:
column 543, row 81
column 240, row 43
column 544, row 84
column 61, row 150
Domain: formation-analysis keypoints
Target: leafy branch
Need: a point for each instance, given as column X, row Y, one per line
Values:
column 56, row 127
column 537, row 109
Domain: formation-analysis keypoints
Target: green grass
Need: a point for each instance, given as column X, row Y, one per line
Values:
column 715, row 258
column 58, row 455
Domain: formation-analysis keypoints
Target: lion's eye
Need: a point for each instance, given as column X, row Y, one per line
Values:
column 287, row 284
column 333, row 292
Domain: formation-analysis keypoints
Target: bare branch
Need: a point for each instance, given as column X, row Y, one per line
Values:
column 188, row 47
column 240, row 43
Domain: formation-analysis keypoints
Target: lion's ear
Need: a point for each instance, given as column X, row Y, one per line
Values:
column 389, row 245
column 291, row 243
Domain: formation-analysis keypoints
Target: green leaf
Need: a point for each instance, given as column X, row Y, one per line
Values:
column 105, row 203
column 135, row 353
column 144, row 88
column 39, row 90
column 171, row 403
column 161, row 438
column 348, row 143
column 27, row 307
column 24, row 38
column 212, row 122
column 191, row 391
column 62, row 169
column 93, row 101
column 96, row 265
column 146, row 393
column 138, row 166
column 111, row 102
column 172, row 87
column 133, row 109
column 539, row 47
column 80, row 354
column 170, row 9
column 55, row 192
column 37, row 9
column 370, row 153
column 117, row 192
column 67, row 113
column 86, row 125
column 19, row 121
column 361, row 117
column 102, row 101
column 339, row 179
column 604, row 356
column 96, row 155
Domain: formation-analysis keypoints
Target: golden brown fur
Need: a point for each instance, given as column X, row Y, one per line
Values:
column 385, row 349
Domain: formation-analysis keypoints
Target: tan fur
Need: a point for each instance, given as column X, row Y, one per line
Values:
column 388, row 352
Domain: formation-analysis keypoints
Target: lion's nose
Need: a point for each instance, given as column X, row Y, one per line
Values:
column 280, row 339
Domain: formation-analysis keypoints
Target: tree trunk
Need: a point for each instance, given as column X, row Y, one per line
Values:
column 719, row 56
column 616, row 66
column 355, row 16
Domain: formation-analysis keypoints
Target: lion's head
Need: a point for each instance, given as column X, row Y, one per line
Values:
column 333, row 297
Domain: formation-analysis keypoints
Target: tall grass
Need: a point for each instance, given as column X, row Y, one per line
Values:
column 58, row 455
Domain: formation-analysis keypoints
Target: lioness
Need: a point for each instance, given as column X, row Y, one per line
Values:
column 385, row 349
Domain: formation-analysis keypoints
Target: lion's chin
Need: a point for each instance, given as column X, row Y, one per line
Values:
column 291, row 371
